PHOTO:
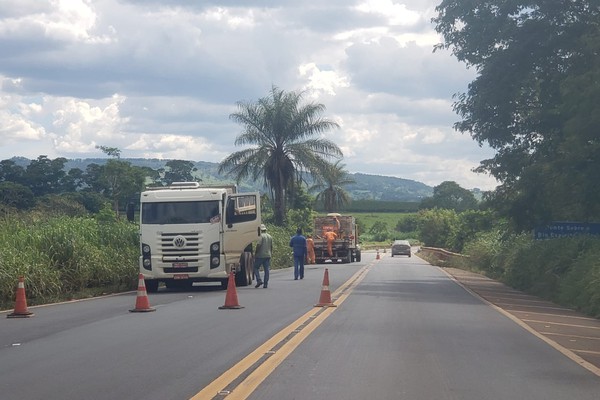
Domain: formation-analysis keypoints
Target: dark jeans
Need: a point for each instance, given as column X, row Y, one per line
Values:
column 299, row 267
column 266, row 264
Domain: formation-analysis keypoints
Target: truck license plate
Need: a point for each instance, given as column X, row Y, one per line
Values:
column 181, row 276
column 180, row 265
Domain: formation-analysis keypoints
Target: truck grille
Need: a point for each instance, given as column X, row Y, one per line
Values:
column 180, row 246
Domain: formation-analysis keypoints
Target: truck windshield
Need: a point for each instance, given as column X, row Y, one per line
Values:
column 181, row 212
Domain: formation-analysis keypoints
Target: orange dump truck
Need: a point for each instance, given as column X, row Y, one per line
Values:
column 343, row 245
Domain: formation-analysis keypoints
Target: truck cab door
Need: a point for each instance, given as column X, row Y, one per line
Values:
column 242, row 222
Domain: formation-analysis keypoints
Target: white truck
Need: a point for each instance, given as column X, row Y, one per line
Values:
column 190, row 233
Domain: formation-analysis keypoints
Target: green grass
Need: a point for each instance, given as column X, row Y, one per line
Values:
column 367, row 219
column 65, row 257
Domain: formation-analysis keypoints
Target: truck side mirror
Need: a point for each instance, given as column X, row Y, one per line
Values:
column 130, row 211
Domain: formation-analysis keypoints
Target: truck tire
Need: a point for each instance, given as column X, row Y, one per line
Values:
column 224, row 284
column 358, row 256
column 241, row 279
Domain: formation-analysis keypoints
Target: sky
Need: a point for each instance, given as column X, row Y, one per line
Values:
column 159, row 79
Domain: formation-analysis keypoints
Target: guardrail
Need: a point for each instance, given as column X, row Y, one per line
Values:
column 442, row 257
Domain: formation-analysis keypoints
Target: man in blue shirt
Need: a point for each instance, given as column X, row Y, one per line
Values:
column 298, row 244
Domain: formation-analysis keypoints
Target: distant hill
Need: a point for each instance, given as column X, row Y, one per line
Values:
column 366, row 187
column 387, row 188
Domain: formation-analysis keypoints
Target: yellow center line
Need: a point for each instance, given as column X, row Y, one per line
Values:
column 297, row 331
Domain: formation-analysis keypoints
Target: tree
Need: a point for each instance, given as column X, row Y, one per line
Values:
column 330, row 186
column 449, row 195
column 283, row 132
column 118, row 179
column 179, row 171
column 535, row 100
column 44, row 176
column 73, row 181
column 11, row 172
column 16, row 195
column 437, row 227
column 123, row 181
column 93, row 178
column 110, row 151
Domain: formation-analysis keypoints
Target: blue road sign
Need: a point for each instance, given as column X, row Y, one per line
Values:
column 566, row 229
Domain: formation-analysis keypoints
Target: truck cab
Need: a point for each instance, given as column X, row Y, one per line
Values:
column 190, row 233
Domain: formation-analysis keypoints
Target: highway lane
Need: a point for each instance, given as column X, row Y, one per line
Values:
column 97, row 349
column 408, row 332
column 405, row 331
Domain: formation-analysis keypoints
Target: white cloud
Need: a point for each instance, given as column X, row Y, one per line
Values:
column 396, row 14
column 322, row 80
column 179, row 67
column 62, row 20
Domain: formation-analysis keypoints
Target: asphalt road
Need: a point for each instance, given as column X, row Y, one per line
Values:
column 402, row 329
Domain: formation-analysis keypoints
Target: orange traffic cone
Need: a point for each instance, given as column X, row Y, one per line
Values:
column 378, row 257
column 231, row 299
column 325, row 299
column 21, row 310
column 141, row 302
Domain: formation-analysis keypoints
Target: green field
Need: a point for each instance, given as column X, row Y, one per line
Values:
column 367, row 219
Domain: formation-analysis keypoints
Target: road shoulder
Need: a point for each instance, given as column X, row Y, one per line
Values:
column 575, row 335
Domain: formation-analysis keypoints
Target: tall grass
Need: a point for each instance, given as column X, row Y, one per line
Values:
column 63, row 257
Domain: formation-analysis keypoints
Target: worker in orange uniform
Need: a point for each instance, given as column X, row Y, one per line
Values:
column 310, row 246
column 330, row 236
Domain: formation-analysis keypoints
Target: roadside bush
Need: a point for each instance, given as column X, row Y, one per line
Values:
column 408, row 223
column 63, row 256
column 581, row 284
column 59, row 205
column 302, row 219
column 483, row 253
column 470, row 223
column 564, row 270
column 379, row 232
column 438, row 227
column 282, row 252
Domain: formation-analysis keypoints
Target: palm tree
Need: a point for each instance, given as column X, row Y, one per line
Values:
column 332, row 194
column 283, row 131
